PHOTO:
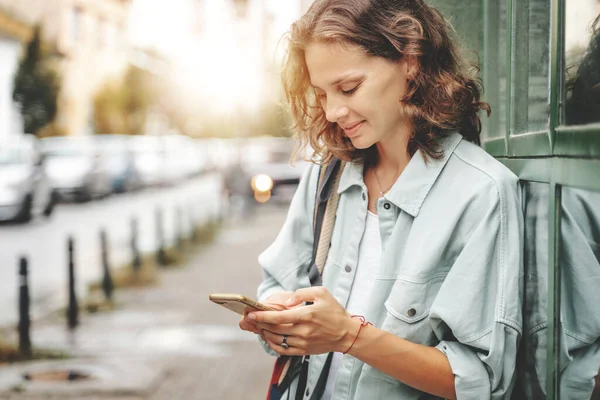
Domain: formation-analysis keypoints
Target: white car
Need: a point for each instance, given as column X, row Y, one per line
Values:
column 76, row 168
column 25, row 189
column 148, row 159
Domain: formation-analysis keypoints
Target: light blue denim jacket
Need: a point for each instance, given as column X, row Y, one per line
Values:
column 450, row 273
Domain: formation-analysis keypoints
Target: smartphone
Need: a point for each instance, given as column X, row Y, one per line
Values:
column 237, row 302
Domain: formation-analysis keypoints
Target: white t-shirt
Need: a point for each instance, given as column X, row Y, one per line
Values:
column 369, row 259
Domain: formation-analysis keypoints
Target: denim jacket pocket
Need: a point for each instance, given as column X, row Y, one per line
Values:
column 411, row 300
column 407, row 308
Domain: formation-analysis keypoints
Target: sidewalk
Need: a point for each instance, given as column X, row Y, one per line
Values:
column 171, row 335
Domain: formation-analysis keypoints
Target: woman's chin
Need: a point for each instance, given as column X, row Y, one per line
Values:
column 360, row 143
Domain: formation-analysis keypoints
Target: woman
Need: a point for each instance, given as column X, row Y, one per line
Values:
column 428, row 232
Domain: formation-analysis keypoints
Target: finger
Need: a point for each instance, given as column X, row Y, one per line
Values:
column 304, row 295
column 292, row 341
column 278, row 317
column 247, row 326
column 287, row 329
column 290, row 351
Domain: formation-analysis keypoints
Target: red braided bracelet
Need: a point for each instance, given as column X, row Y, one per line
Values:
column 363, row 322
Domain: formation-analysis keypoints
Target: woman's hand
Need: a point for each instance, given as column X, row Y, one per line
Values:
column 319, row 328
column 276, row 301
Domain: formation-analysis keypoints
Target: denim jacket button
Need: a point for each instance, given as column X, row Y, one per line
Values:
column 307, row 392
column 364, row 196
column 411, row 312
column 386, row 206
column 348, row 268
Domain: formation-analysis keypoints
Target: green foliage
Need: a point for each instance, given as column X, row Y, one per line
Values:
column 121, row 106
column 36, row 86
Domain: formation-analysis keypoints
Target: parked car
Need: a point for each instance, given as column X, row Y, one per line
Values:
column 77, row 169
column 120, row 162
column 148, row 159
column 269, row 173
column 25, row 189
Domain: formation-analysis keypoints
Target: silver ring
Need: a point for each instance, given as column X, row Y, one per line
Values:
column 284, row 343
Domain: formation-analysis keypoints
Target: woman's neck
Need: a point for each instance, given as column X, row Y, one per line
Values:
column 392, row 153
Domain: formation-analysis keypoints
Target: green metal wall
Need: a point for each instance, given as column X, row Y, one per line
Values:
column 525, row 68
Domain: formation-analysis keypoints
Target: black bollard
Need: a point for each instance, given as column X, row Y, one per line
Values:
column 72, row 309
column 107, row 282
column 161, row 257
column 24, row 321
column 136, row 262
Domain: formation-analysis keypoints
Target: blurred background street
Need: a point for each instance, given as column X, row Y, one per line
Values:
column 194, row 344
column 145, row 163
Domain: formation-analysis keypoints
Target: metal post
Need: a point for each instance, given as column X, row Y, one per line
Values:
column 72, row 309
column 136, row 262
column 24, row 321
column 161, row 257
column 107, row 282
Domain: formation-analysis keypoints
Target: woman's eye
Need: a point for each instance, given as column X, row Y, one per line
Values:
column 349, row 92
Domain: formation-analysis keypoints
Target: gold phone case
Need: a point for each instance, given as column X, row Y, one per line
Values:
column 237, row 302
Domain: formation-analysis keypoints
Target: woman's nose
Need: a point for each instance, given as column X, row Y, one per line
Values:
column 335, row 111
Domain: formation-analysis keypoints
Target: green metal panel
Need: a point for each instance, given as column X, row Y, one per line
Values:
column 490, row 64
column 577, row 172
column 554, row 278
column 556, row 66
column 531, row 144
column 495, row 146
column 530, row 169
column 581, row 141
column 509, row 69
column 519, row 66
column 557, row 35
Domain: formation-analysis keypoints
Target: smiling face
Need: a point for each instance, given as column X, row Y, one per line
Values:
column 359, row 92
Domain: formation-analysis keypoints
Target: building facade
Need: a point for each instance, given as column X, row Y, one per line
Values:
column 89, row 37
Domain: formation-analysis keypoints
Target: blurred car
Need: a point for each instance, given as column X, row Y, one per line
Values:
column 183, row 158
column 148, row 159
column 76, row 168
column 120, row 162
column 268, row 170
column 25, row 189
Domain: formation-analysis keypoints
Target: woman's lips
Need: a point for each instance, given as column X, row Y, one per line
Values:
column 352, row 130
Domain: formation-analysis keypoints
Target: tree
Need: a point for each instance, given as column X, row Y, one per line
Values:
column 36, row 86
column 121, row 106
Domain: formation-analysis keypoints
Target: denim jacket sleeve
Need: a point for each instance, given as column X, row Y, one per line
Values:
column 480, row 300
column 285, row 262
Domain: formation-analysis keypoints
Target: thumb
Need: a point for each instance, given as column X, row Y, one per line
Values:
column 300, row 296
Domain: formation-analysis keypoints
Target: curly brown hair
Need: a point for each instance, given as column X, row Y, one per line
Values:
column 441, row 97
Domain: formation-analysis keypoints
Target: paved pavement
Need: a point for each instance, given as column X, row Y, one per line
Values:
column 174, row 328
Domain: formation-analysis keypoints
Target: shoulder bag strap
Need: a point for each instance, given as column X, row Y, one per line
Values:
column 326, row 203
column 325, row 209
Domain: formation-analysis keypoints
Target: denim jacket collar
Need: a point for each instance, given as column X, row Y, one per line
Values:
column 411, row 188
